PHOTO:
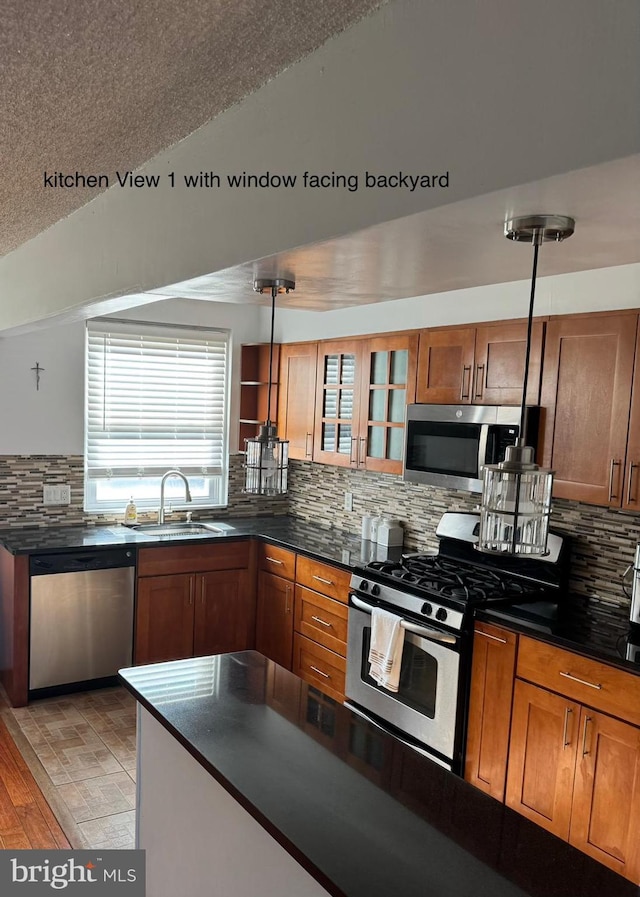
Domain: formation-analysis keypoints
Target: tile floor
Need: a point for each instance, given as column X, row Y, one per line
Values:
column 86, row 745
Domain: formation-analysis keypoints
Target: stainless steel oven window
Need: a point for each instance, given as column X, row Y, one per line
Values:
column 431, row 717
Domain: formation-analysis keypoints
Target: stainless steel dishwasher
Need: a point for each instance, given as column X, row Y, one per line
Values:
column 81, row 616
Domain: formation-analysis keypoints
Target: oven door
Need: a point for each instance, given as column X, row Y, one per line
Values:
column 425, row 705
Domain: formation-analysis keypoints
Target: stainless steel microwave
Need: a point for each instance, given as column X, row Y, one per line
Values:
column 448, row 445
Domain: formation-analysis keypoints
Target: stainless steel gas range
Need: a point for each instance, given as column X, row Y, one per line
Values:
column 436, row 595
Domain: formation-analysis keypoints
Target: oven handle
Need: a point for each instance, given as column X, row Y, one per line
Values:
column 433, row 634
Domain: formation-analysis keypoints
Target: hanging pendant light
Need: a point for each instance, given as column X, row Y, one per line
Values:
column 516, row 494
column 266, row 456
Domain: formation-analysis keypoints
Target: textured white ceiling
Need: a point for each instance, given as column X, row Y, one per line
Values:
column 97, row 86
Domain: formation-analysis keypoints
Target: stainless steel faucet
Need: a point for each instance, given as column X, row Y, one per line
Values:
column 171, row 473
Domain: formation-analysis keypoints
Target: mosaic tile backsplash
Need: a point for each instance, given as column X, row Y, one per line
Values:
column 603, row 539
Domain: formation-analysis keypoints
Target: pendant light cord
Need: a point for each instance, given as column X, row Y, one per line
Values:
column 274, row 293
column 536, row 246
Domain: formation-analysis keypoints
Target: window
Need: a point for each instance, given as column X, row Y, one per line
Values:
column 156, row 400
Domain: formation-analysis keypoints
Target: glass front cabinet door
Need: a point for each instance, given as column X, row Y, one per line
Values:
column 363, row 388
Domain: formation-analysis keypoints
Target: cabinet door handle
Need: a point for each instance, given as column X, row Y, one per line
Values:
column 494, row 638
column 274, row 560
column 192, row 582
column 632, row 467
column 362, row 456
column 287, row 606
column 587, row 720
column 581, row 681
column 479, row 381
column 352, row 459
column 307, row 453
column 319, row 672
column 566, row 742
column 322, row 622
column 614, row 464
column 327, row 582
column 464, row 392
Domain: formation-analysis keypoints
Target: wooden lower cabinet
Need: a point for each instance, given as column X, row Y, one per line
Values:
column 185, row 609
column 319, row 666
column 274, row 618
column 164, row 618
column 224, row 612
column 576, row 772
column 605, row 817
column 492, row 672
column 542, row 757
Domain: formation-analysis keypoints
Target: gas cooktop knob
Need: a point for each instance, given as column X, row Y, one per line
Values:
column 364, row 586
column 375, row 590
column 427, row 608
column 441, row 614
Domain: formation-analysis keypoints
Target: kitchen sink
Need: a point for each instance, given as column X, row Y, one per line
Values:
column 181, row 529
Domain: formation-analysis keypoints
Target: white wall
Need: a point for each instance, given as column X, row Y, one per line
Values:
column 51, row 421
column 602, row 289
column 500, row 93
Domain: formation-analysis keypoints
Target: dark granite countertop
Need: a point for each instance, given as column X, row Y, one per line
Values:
column 578, row 623
column 333, row 545
column 363, row 813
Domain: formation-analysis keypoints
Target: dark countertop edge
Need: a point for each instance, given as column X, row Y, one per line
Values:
column 592, row 652
column 244, row 802
column 258, row 532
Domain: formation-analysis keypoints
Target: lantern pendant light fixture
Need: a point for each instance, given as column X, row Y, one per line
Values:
column 266, row 456
column 516, row 493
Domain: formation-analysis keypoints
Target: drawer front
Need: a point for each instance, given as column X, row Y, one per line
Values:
column 321, row 619
column 274, row 559
column 318, row 666
column 323, row 578
column 193, row 558
column 580, row 678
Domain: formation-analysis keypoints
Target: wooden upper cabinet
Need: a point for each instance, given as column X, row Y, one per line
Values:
column 445, row 366
column 388, row 385
column 297, row 394
column 631, row 493
column 500, row 351
column 362, row 390
column 337, row 418
column 479, row 365
column 492, row 672
column 586, row 393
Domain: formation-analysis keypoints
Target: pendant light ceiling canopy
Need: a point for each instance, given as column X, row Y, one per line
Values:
column 266, row 456
column 516, row 493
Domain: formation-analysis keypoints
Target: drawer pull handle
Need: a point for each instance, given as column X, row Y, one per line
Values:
column 319, row 672
column 274, row 561
column 587, row 720
column 581, row 681
column 327, row 582
column 494, row 638
column 323, row 622
column 565, row 741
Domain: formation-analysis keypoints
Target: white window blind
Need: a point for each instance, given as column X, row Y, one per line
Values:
column 156, row 399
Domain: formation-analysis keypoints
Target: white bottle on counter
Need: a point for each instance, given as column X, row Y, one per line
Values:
column 366, row 527
column 373, row 529
column 390, row 533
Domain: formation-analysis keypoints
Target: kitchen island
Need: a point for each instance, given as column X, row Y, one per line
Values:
column 253, row 782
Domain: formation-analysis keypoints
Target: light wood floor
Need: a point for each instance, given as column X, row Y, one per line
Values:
column 26, row 819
